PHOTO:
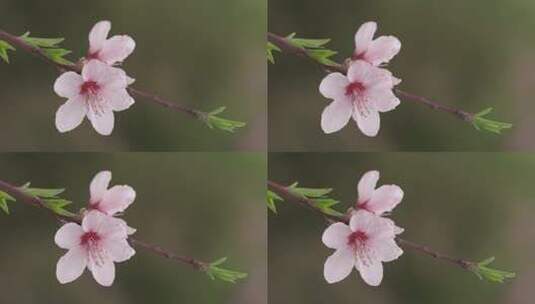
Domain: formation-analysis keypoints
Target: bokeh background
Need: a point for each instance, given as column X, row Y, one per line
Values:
column 207, row 205
column 195, row 52
column 469, row 205
column 467, row 54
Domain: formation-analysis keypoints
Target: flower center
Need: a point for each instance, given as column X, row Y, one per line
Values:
column 92, row 56
column 360, row 56
column 90, row 238
column 89, row 88
column 356, row 90
column 357, row 239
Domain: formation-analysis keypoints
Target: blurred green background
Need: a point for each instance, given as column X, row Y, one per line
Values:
column 195, row 52
column 470, row 205
column 207, row 205
column 468, row 54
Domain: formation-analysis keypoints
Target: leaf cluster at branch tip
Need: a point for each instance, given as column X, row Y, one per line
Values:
column 315, row 48
column 214, row 271
column 4, row 47
column 4, row 199
column 482, row 271
column 215, row 122
column 482, row 123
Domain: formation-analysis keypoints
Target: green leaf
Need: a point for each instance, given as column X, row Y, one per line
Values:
column 4, row 47
column 272, row 199
column 309, row 192
column 315, row 48
column 215, row 272
column 43, row 193
column 41, row 42
column 493, row 126
column 4, row 199
column 482, row 271
column 270, row 49
column 50, row 46
column 323, row 55
column 215, row 122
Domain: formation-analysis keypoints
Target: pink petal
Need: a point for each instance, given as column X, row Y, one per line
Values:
column 334, row 85
column 371, row 271
column 364, row 37
column 119, row 100
column 335, row 236
column 71, row 265
column 382, row 50
column 384, row 199
column 387, row 250
column 68, row 85
column 115, row 79
column 117, row 199
column 369, row 123
column 362, row 220
column 116, row 49
column 71, row 114
column 103, row 272
column 69, row 236
column 98, row 35
column 102, row 122
column 96, row 71
column 120, row 250
column 336, row 115
column 338, row 266
column 99, row 186
column 112, row 229
column 130, row 80
column 383, row 100
column 92, row 220
column 397, row 230
column 366, row 186
column 359, row 70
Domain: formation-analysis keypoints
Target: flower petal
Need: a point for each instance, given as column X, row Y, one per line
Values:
column 358, row 71
column 70, row 114
column 69, row 236
column 116, row 49
column 371, row 271
column 334, row 85
column 366, row 186
column 95, row 70
column 99, row 186
column 68, row 84
column 112, row 229
column 384, row 199
column 369, row 123
column 117, row 199
column 119, row 250
column 103, row 122
column 71, row 265
column 364, row 37
column 338, row 266
column 387, row 250
column 384, row 99
column 119, row 100
column 382, row 50
column 335, row 236
column 92, row 220
column 98, row 35
column 336, row 115
column 103, row 272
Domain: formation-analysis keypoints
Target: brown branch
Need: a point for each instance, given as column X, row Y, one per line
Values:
column 284, row 192
column 21, row 44
column 21, row 196
column 287, row 47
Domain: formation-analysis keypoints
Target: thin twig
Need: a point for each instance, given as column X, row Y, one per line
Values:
column 284, row 192
column 21, row 44
column 287, row 47
column 21, row 196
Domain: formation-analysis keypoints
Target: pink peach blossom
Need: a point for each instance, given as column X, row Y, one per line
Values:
column 374, row 51
column 377, row 200
column 96, row 93
column 108, row 50
column 364, row 244
column 97, row 244
column 361, row 95
column 110, row 201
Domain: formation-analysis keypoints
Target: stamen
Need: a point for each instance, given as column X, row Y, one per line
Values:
column 356, row 91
